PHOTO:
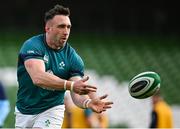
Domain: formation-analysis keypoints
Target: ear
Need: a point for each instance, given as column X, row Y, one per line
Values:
column 47, row 28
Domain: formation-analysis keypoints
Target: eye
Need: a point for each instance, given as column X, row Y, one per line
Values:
column 61, row 26
column 69, row 26
column 64, row 26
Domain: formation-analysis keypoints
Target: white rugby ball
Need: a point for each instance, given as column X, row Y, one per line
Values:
column 144, row 85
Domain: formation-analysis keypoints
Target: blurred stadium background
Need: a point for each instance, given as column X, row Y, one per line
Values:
column 116, row 39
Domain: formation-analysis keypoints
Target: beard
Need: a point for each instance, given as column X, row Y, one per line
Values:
column 58, row 41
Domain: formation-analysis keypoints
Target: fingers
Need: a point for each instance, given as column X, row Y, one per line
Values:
column 103, row 97
column 85, row 78
column 80, row 87
column 103, row 109
column 87, row 89
column 83, row 92
column 86, row 86
column 107, row 105
column 99, row 106
column 90, row 88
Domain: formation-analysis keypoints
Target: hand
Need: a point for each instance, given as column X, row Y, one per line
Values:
column 98, row 106
column 81, row 88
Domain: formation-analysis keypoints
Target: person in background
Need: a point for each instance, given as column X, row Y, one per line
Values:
column 4, row 105
column 103, row 120
column 161, row 116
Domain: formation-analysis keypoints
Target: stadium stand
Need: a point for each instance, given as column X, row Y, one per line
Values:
column 120, row 56
column 125, row 57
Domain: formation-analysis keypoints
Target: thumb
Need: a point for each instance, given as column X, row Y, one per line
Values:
column 85, row 78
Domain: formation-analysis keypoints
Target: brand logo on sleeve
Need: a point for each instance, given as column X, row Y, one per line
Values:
column 30, row 52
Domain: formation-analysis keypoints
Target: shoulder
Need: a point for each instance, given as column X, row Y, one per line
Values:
column 35, row 42
column 72, row 52
column 75, row 61
column 69, row 48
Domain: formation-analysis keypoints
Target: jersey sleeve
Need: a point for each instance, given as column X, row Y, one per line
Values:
column 77, row 65
column 31, row 50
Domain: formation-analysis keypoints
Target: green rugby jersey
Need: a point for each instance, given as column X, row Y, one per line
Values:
column 64, row 63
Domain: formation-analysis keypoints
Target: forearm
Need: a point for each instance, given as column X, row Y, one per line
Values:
column 80, row 100
column 47, row 80
column 36, row 70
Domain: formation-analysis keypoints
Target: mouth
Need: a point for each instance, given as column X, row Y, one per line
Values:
column 64, row 39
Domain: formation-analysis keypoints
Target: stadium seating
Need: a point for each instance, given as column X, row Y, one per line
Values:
column 121, row 56
column 126, row 57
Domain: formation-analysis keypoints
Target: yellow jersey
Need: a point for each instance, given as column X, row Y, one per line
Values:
column 164, row 115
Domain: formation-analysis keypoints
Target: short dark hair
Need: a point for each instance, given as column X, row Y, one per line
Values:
column 57, row 10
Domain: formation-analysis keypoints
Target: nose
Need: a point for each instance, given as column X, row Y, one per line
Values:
column 66, row 30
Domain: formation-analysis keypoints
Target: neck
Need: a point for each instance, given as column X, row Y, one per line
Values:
column 53, row 46
column 51, row 43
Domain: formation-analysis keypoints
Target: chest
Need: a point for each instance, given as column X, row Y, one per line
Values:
column 57, row 63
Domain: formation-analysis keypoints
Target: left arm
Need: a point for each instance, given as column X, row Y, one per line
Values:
column 90, row 101
column 78, row 99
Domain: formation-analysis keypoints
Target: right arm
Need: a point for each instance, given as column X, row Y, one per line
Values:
column 36, row 70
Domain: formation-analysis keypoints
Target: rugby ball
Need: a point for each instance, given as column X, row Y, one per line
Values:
column 144, row 85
